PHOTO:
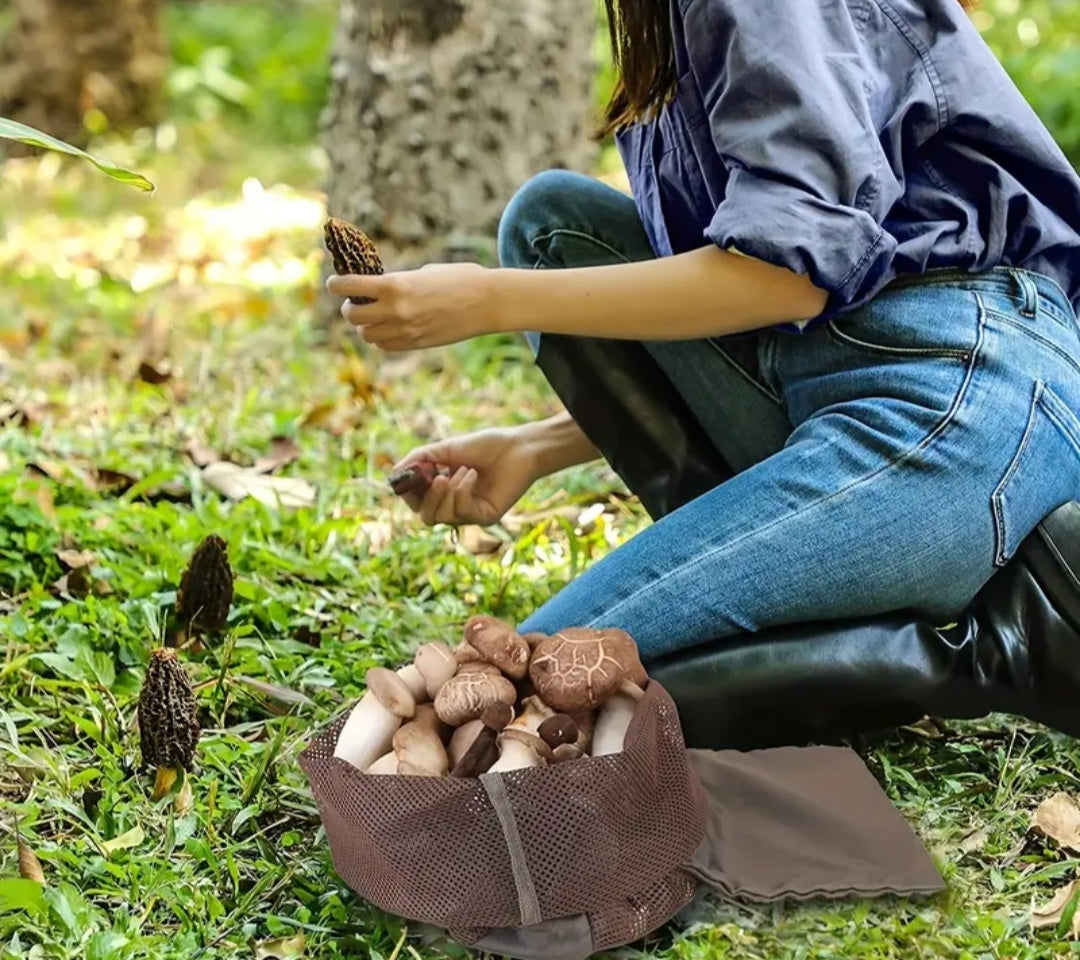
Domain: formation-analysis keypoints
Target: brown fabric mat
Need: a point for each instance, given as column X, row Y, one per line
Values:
column 801, row 822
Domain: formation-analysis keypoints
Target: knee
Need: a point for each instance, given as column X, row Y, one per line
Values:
column 538, row 206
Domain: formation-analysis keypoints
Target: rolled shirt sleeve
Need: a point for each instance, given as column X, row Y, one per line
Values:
column 787, row 95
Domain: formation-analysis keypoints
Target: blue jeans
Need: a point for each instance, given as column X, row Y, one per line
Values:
column 889, row 459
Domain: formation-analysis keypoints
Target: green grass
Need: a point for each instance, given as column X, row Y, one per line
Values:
column 220, row 267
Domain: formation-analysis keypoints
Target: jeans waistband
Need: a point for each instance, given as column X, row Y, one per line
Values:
column 1027, row 287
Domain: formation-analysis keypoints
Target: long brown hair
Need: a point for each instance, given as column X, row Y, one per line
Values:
column 644, row 58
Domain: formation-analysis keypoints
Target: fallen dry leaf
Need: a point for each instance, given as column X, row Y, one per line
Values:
column 155, row 374
column 282, row 451
column 237, row 483
column 275, row 692
column 925, row 727
column 74, row 583
column 356, row 374
column 184, row 801
column 201, row 455
column 112, row 481
column 1050, row 914
column 1058, row 818
column 76, row 559
column 281, row 949
column 29, row 865
column 974, row 841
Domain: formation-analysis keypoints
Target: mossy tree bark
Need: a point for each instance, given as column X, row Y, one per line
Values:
column 440, row 109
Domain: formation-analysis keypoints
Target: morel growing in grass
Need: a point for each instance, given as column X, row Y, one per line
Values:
column 351, row 251
column 206, row 589
column 168, row 720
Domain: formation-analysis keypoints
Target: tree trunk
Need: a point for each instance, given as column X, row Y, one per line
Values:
column 440, row 109
column 68, row 62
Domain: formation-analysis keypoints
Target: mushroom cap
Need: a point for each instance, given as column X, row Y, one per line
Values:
column 437, row 664
column 580, row 667
column 463, row 738
column 540, row 748
column 566, row 751
column 168, row 713
column 534, row 638
column 497, row 716
column 466, row 653
column 419, row 750
column 557, row 730
column 480, row 666
column 391, row 691
column 465, row 696
column 498, row 643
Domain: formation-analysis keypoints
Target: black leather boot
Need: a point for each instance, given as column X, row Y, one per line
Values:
column 1016, row 648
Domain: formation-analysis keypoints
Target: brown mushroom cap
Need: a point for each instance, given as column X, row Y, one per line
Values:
column 437, row 664
column 565, row 752
column 390, row 690
column 580, row 667
column 542, row 749
column 534, row 639
column 498, row 643
column 557, row 730
column 419, row 750
column 466, row 696
column 466, row 653
column 480, row 666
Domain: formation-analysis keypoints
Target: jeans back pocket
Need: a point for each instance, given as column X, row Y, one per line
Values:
column 1042, row 475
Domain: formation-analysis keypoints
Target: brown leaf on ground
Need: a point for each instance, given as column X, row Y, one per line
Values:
column 1051, row 914
column 237, row 483
column 155, row 373
column 76, row 559
column 478, row 541
column 282, row 451
column 112, row 481
column 357, row 376
column 29, row 865
column 975, row 841
column 1058, row 818
column 306, row 635
column 74, row 583
column 926, row 727
column 275, row 692
column 34, row 491
column 200, row 454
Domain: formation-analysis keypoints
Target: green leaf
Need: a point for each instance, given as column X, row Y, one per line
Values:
column 132, row 838
column 19, row 894
column 13, row 130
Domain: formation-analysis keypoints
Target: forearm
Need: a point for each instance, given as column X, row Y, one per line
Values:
column 557, row 443
column 703, row 293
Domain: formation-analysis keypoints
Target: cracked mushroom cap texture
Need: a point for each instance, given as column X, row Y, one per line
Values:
column 580, row 667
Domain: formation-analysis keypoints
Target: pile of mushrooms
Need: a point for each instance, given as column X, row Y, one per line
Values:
column 498, row 701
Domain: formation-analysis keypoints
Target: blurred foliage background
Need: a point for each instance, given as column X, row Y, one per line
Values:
column 237, row 62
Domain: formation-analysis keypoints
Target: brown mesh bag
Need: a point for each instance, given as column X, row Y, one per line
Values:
column 596, row 836
column 559, row 862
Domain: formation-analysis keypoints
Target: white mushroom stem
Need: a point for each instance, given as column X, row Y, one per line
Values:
column 386, row 764
column 370, row 729
column 518, row 752
column 612, row 721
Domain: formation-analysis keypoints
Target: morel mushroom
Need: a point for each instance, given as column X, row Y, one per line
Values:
column 351, row 251
column 466, row 695
column 205, row 594
column 416, row 478
column 580, row 668
column 168, row 720
column 370, row 729
column 498, row 643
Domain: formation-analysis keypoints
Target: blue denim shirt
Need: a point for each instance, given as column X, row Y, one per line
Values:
column 854, row 141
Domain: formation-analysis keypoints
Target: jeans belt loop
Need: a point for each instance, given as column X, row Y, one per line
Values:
column 1029, row 293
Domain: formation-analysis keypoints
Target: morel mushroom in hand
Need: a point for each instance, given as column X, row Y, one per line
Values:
column 351, row 251
column 168, row 720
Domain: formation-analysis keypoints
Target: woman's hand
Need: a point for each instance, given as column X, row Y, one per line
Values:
column 438, row 304
column 490, row 470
